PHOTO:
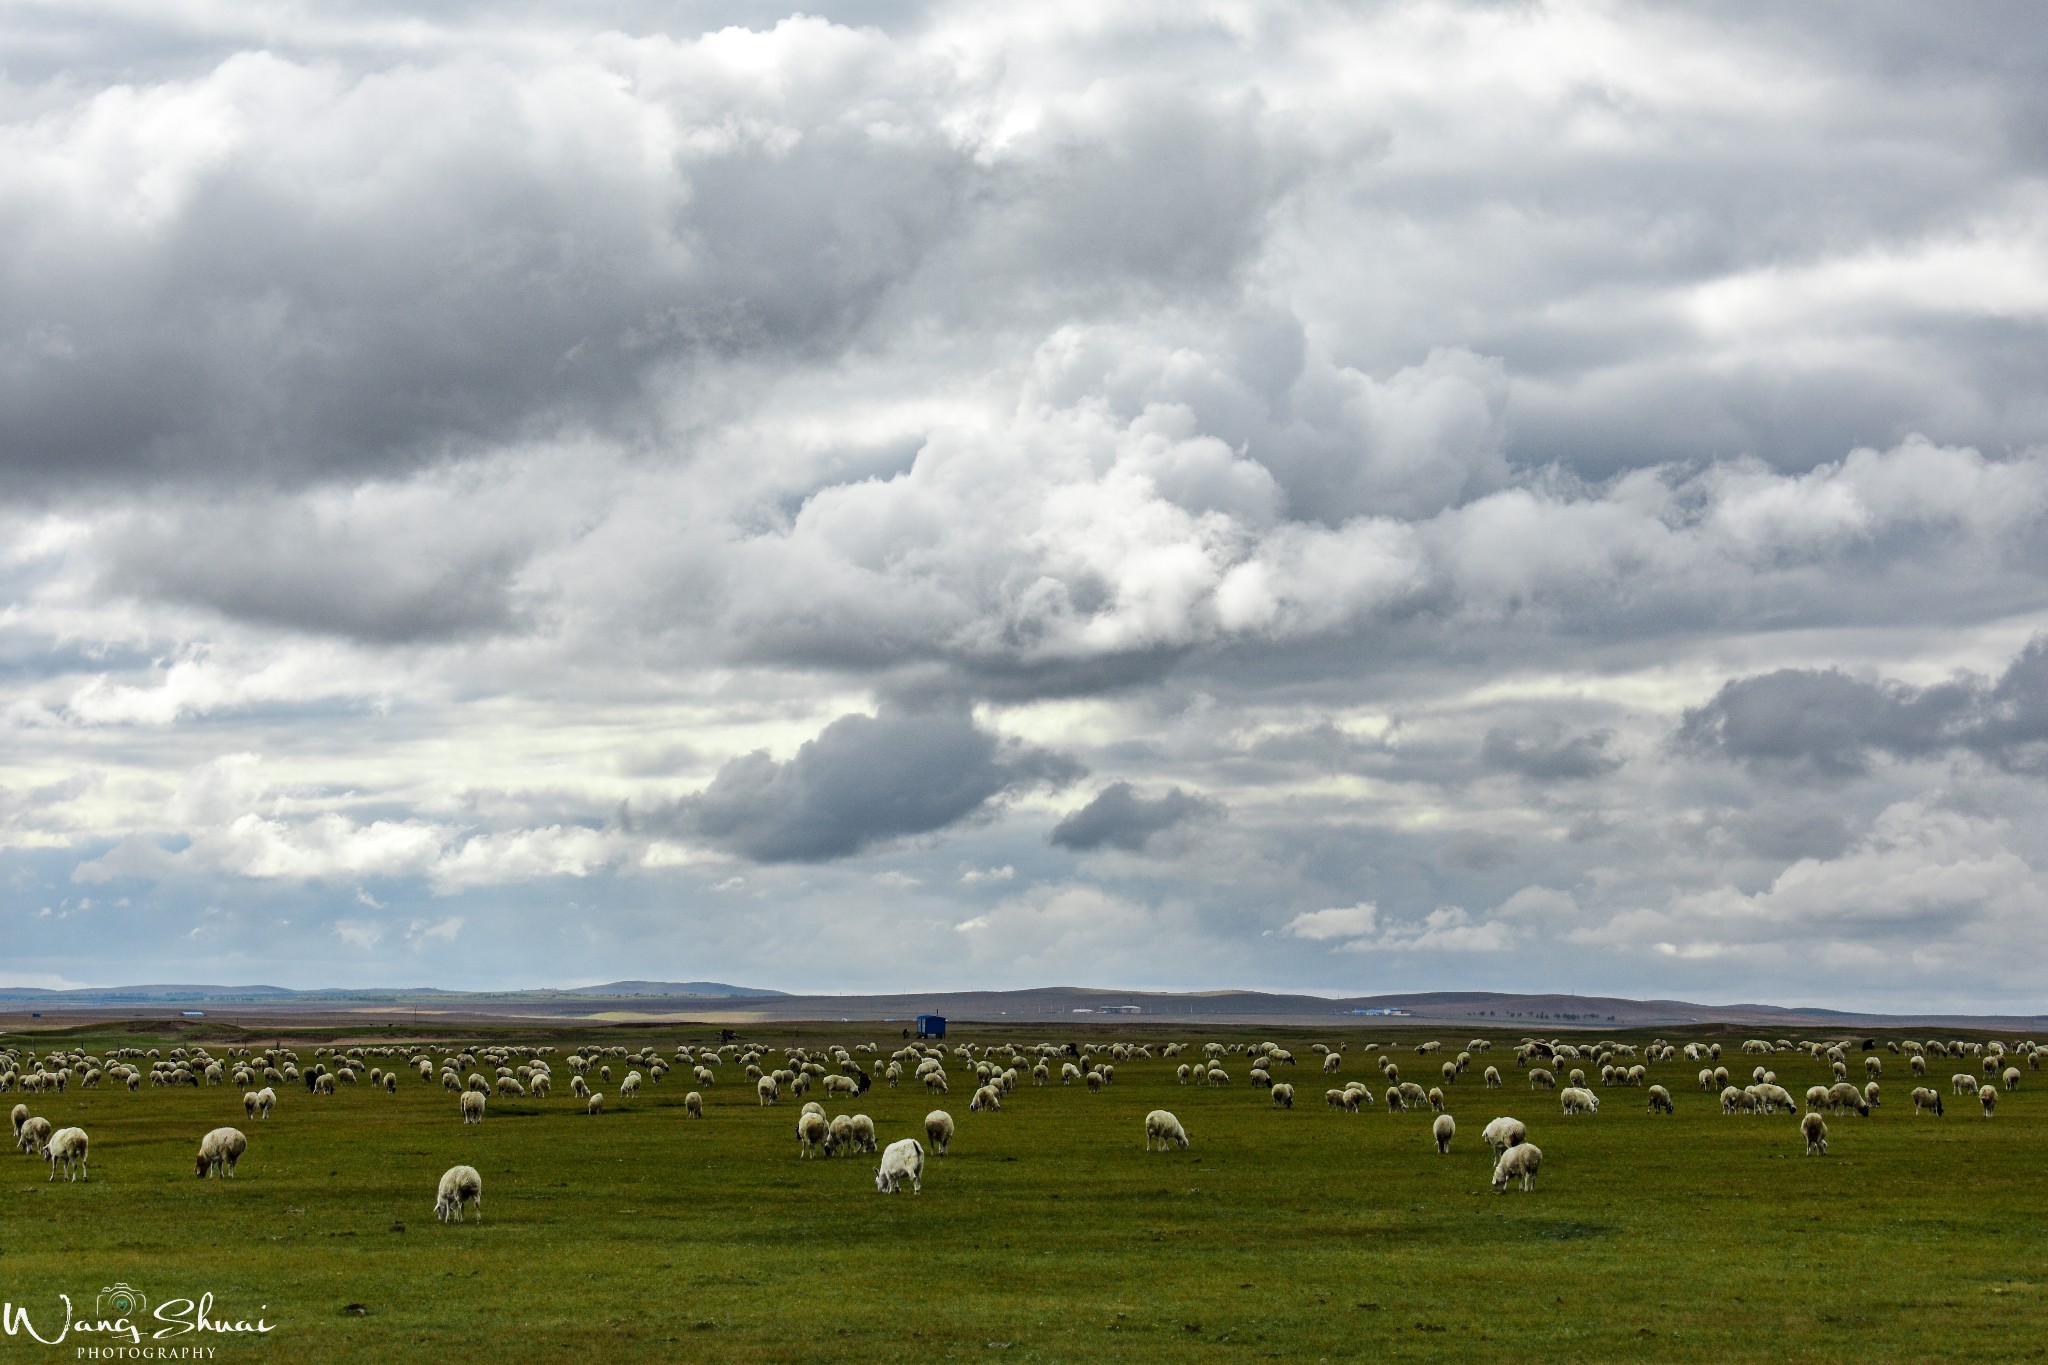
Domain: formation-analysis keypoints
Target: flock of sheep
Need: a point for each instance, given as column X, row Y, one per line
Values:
column 998, row 1070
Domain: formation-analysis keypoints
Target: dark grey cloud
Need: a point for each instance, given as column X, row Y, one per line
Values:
column 1832, row 724
column 1119, row 817
column 863, row 780
column 1550, row 758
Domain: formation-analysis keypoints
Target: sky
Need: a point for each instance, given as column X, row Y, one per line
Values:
column 1343, row 498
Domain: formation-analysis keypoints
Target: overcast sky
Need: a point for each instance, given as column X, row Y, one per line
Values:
column 1349, row 498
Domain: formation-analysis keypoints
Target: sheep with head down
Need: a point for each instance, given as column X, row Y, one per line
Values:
column 1521, row 1161
column 459, row 1185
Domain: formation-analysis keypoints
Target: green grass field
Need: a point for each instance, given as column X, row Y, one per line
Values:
column 1048, row 1234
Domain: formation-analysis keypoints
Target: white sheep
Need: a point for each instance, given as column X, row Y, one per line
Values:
column 33, row 1134
column 1925, row 1098
column 219, row 1150
column 1504, row 1133
column 1988, row 1097
column 1522, row 1160
column 693, row 1105
column 596, row 1104
column 473, row 1106
column 1283, row 1095
column 1493, row 1081
column 1163, row 1127
column 988, row 1099
column 861, row 1133
column 1577, row 1100
column 459, row 1185
column 812, row 1132
column 768, row 1090
column 67, row 1148
column 20, row 1117
column 1815, row 1130
column 1541, row 1079
column 629, row 1088
column 1660, row 1100
column 1444, row 1129
column 904, row 1157
column 938, row 1130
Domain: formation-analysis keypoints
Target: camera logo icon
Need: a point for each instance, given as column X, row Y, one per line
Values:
column 120, row 1300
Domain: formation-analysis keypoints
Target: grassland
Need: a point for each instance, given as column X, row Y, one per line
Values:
column 1048, row 1234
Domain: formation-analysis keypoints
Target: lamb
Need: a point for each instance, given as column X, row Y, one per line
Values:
column 1163, row 1127
column 938, row 1130
column 900, row 1158
column 67, row 1148
column 1522, row 1160
column 1578, row 1100
column 1283, row 1095
column 1660, row 1100
column 1504, row 1133
column 472, row 1106
column 1443, row 1130
column 33, row 1135
column 1815, row 1129
column 693, row 1105
column 459, row 1185
column 219, row 1150
column 1925, row 1098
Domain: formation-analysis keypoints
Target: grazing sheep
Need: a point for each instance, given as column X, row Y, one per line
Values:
column 20, row 1117
column 838, row 1135
column 1436, row 1099
column 32, row 1135
column 861, row 1133
column 1540, row 1079
column 1842, row 1097
column 1283, row 1095
column 1660, row 1100
column 219, row 1150
column 987, row 1098
column 1988, row 1097
column 2012, row 1078
column 1443, row 1130
column 1504, row 1133
column 249, row 1104
column 1870, row 1094
column 1815, row 1129
column 1578, row 1100
column 630, row 1087
column 938, row 1131
column 509, row 1085
column 901, row 1158
column 67, row 1148
column 596, row 1104
column 1925, row 1098
column 1347, row 1100
column 459, row 1185
column 1333, row 1061
column 1963, row 1083
column 1218, row 1076
column 1522, row 1160
column 812, row 1132
column 472, row 1106
column 1162, row 1127
column 1493, row 1081
column 693, row 1105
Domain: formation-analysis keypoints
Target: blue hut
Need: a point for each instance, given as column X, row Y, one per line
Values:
column 931, row 1025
